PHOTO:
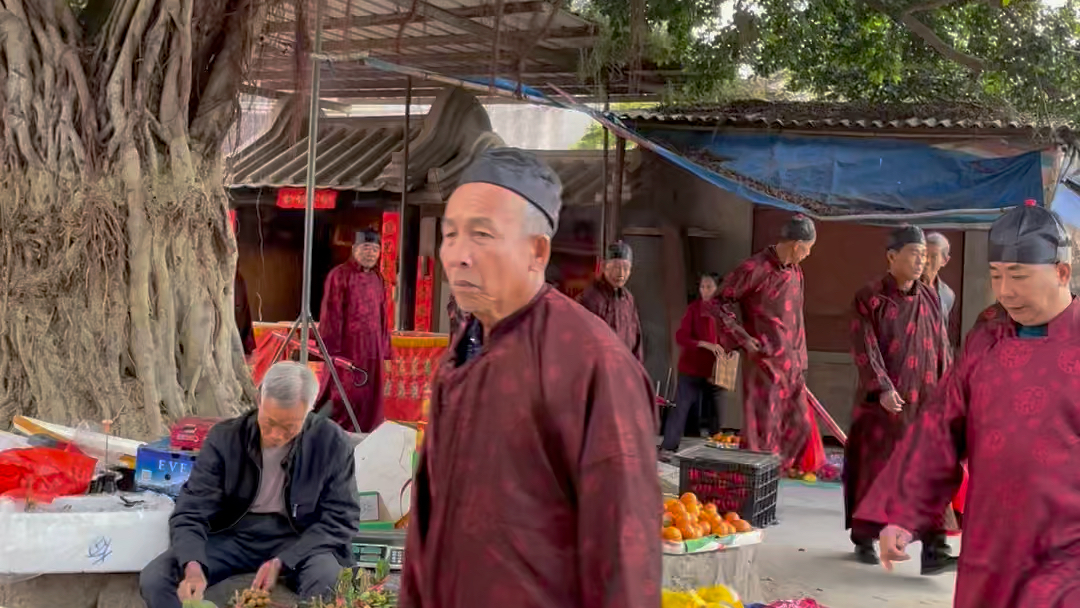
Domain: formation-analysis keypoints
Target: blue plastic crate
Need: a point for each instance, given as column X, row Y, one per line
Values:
column 162, row 469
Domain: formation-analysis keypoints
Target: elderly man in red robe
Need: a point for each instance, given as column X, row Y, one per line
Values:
column 1010, row 407
column 537, row 484
column 609, row 299
column 767, row 291
column 900, row 348
column 353, row 326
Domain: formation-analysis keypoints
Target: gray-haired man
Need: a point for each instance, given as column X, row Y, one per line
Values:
column 272, row 492
column 937, row 256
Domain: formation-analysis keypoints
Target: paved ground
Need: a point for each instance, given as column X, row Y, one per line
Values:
column 808, row 554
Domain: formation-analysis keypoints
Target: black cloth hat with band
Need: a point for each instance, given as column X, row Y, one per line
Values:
column 1029, row 235
column 906, row 235
column 521, row 172
column 367, row 236
column 620, row 251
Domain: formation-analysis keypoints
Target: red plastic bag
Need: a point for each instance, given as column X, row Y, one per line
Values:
column 42, row 474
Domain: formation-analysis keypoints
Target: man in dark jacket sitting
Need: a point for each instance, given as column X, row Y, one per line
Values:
column 272, row 491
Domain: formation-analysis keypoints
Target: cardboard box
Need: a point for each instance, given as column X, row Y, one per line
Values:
column 160, row 468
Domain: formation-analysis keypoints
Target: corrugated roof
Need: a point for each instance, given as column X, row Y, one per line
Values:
column 846, row 116
column 362, row 154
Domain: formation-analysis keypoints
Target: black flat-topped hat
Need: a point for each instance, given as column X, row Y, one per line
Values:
column 521, row 172
column 364, row 237
column 906, row 235
column 620, row 251
column 1029, row 235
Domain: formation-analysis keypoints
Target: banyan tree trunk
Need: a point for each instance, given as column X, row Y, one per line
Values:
column 116, row 256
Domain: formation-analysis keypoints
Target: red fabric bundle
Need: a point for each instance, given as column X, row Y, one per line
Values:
column 42, row 474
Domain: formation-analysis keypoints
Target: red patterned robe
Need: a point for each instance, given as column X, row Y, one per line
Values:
column 898, row 342
column 1011, row 406
column 615, row 305
column 353, row 325
column 777, row 416
column 550, row 502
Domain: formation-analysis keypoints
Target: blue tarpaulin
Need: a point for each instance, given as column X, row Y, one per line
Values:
column 872, row 175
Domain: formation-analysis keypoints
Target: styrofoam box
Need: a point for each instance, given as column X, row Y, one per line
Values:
column 384, row 465
column 84, row 534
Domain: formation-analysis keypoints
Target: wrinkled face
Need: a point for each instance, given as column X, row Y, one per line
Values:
column 367, row 254
column 797, row 251
column 617, row 272
column 279, row 425
column 935, row 260
column 1029, row 292
column 707, row 288
column 907, row 264
column 490, row 260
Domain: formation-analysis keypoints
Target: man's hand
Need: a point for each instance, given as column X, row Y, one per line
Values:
column 194, row 584
column 892, row 402
column 894, row 541
column 709, row 346
column 753, row 346
column 267, row 576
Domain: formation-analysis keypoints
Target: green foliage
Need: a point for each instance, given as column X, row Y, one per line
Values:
column 361, row 589
column 1020, row 55
column 593, row 139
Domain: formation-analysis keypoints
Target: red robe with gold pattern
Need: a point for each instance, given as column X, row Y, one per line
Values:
column 537, row 485
column 898, row 342
column 777, row 416
column 615, row 305
column 353, row 325
column 1011, row 407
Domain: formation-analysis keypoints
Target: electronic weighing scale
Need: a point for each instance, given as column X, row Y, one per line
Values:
column 371, row 546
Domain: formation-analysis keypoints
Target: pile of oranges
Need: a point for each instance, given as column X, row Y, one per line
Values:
column 685, row 518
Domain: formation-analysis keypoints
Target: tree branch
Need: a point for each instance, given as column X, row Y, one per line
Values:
column 920, row 29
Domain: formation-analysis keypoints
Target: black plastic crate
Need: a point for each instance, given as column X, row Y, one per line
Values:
column 735, row 480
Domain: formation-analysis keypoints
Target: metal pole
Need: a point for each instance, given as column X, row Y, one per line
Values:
column 616, row 202
column 402, row 306
column 604, row 236
column 309, row 203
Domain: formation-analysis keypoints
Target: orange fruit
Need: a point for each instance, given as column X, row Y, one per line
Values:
column 706, row 527
column 687, row 530
column 670, row 503
column 728, row 529
column 677, row 509
column 709, row 508
column 669, row 520
column 731, row 516
column 672, row 534
column 689, row 499
column 742, row 526
column 682, row 520
column 693, row 509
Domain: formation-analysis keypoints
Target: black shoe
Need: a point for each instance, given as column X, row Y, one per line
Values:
column 937, row 563
column 867, row 555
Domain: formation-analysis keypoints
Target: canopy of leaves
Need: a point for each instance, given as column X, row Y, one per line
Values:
column 1020, row 55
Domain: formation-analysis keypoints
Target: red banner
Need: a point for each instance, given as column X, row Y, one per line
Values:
column 296, row 198
column 406, row 386
column 390, row 244
column 425, row 292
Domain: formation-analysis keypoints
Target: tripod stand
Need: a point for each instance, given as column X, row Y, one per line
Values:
column 305, row 322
